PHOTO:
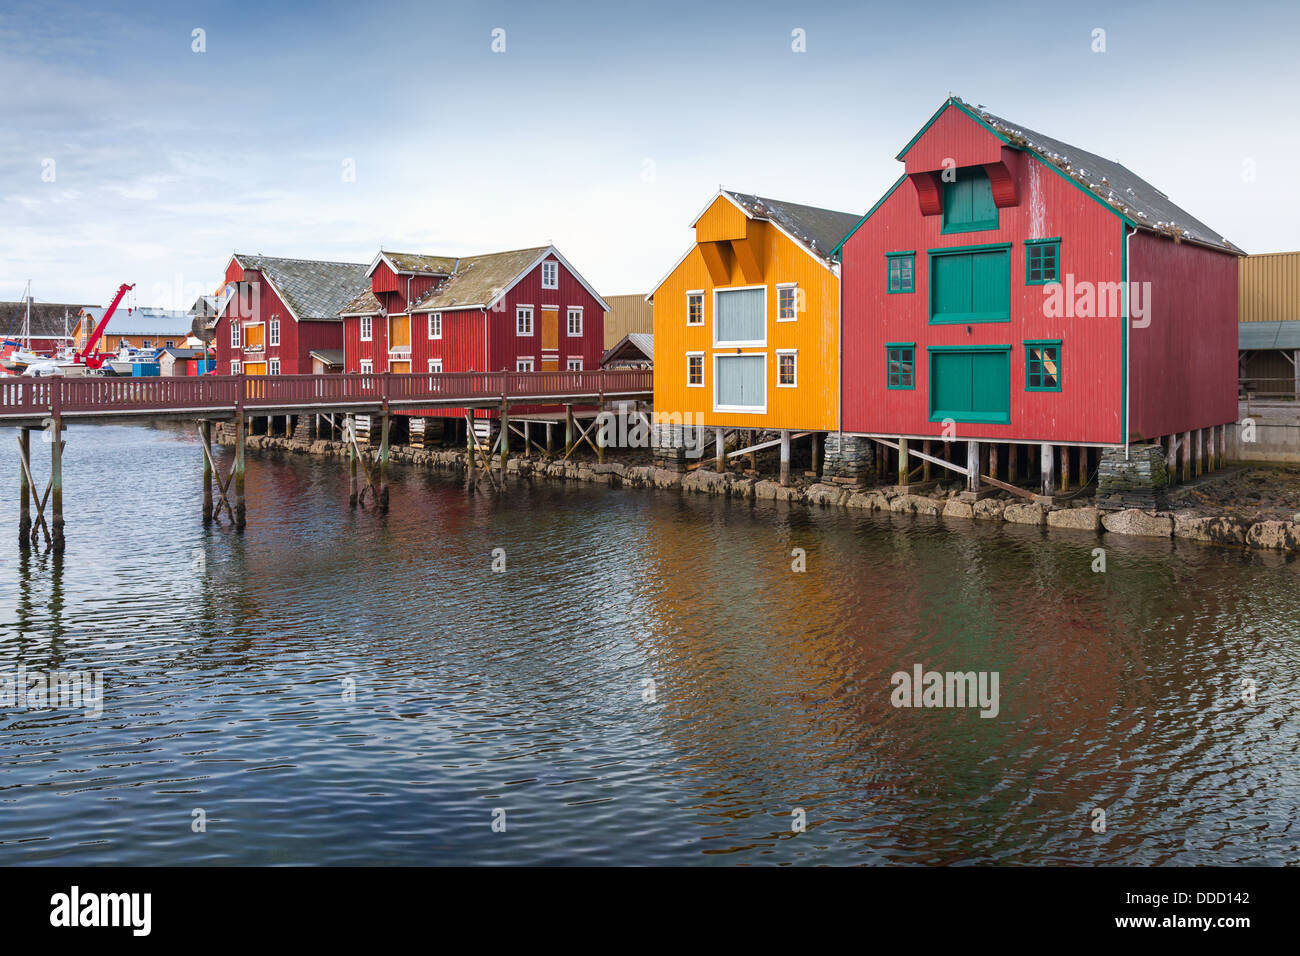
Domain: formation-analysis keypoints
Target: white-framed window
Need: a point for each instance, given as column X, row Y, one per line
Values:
column 367, row 366
column 740, row 316
column 146, row 344
column 435, row 365
column 695, row 307
column 367, row 329
column 234, row 334
column 523, row 365
column 787, row 301
column 787, row 368
column 435, row 325
column 236, row 367
column 573, row 364
column 126, row 343
column 170, row 343
column 695, row 369
column 575, row 321
column 273, row 366
column 550, row 274
column 523, row 320
column 740, row 382
column 274, row 333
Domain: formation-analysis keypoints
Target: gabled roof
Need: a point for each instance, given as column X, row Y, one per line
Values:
column 817, row 230
column 367, row 303
column 410, row 263
column 643, row 342
column 1131, row 196
column 47, row 318
column 328, row 356
column 313, row 290
column 479, row 281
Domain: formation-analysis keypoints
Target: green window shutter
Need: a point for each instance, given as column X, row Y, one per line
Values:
column 970, row 285
column 742, row 381
column 741, row 316
column 968, row 204
column 971, row 385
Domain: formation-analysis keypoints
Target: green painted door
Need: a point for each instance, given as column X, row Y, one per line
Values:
column 971, row 385
column 971, row 286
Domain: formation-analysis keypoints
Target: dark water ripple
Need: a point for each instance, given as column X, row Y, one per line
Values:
column 226, row 659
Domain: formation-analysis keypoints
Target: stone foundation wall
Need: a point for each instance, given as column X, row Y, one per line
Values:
column 1138, row 481
column 674, row 445
column 848, row 460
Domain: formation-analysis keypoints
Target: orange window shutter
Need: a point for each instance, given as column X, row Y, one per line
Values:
column 550, row 329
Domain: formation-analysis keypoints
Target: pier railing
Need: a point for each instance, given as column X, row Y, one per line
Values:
column 23, row 397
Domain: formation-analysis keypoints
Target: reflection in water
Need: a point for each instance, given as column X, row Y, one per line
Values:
column 230, row 662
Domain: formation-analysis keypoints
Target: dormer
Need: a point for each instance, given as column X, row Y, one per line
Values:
column 962, row 171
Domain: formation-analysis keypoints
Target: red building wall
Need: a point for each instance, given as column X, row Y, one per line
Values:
column 1089, row 406
column 1183, row 364
column 505, row 347
column 296, row 339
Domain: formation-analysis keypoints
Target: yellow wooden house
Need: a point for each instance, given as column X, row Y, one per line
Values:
column 746, row 324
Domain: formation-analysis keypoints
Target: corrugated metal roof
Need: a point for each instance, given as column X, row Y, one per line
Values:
column 1113, row 183
column 1268, row 287
column 144, row 321
column 478, row 280
column 313, row 289
column 818, row 230
column 1268, row 335
column 423, row 265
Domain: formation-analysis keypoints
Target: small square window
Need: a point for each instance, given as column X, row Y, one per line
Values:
column 574, row 364
column 274, row 367
column 1043, row 262
column 900, row 366
column 1043, row 366
column 787, row 303
column 523, row 365
column 435, row 365
column 787, row 369
column 695, row 308
column 550, row 274
column 236, row 368
column 695, row 370
column 902, row 267
column 367, row 366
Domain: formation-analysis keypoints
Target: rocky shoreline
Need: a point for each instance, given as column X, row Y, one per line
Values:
column 1220, row 529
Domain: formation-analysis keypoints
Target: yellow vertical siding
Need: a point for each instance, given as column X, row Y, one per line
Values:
column 627, row 313
column 735, row 247
column 1268, row 287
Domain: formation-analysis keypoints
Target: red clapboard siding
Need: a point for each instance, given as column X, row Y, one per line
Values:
column 1183, row 365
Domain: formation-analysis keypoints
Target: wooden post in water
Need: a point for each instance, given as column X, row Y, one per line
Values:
column 205, row 436
column 25, row 490
column 505, row 437
column 385, row 424
column 719, row 451
column 925, row 465
column 56, row 480
column 1187, row 456
column 1209, row 448
column 1065, row 468
column 817, row 455
column 1046, row 468
column 240, row 510
column 973, row 466
column 904, row 463
column 599, row 423
column 548, row 439
column 785, row 456
column 1171, row 458
column 568, row 430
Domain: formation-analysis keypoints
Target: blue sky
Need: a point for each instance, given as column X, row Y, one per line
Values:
column 603, row 127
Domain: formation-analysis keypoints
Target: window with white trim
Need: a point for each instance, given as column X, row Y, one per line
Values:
column 275, row 332
column 236, row 368
column 524, row 320
column 787, row 302
column 575, row 322
column 695, row 308
column 695, row 369
column 550, row 274
column 787, row 368
column 367, row 366
column 740, row 318
column 234, row 334
column 435, row 365
column 273, row 366
column 146, row 344
column 367, row 329
column 435, row 325
column 574, row 364
column 170, row 343
column 523, row 365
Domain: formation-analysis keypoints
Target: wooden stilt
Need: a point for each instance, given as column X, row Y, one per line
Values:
column 903, row 463
column 1083, row 468
column 1199, row 460
column 1171, row 457
column 568, row 430
column 205, row 436
column 549, row 446
column 1187, row 456
column 1046, row 467
column 1013, row 464
column 1210, row 458
column 1223, row 442
column 995, row 460
column 925, row 465
column 56, row 481
column 816, row 454
column 785, row 456
column 973, row 466
column 719, row 451
column 1065, row 468
column 599, row 424
column 241, row 511
column 25, row 488
column 505, row 437
column 385, row 425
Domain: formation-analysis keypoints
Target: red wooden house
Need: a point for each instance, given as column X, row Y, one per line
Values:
column 278, row 311
column 524, row 310
column 1012, row 289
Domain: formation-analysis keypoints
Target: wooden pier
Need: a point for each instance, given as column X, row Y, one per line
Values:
column 47, row 405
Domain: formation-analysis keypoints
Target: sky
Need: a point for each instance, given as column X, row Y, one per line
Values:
column 133, row 149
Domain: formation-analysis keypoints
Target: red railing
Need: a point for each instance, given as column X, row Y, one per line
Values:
column 22, row 397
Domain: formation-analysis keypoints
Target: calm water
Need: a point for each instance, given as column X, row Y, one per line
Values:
column 226, row 659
